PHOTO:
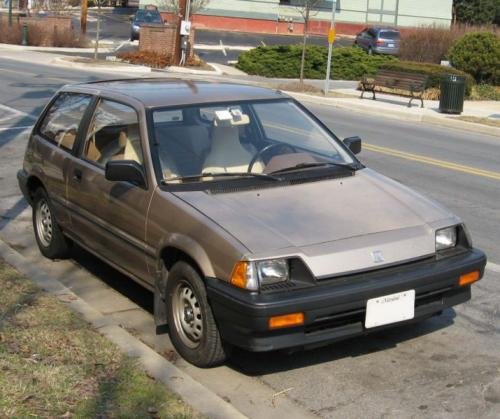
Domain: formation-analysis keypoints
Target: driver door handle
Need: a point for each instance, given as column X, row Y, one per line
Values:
column 77, row 175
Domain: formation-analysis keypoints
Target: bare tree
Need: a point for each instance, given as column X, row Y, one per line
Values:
column 172, row 6
column 307, row 9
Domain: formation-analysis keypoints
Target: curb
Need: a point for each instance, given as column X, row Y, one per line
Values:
column 447, row 122
column 183, row 70
column 124, row 68
column 192, row 392
column 15, row 47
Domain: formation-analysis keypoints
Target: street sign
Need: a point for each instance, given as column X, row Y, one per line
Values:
column 331, row 35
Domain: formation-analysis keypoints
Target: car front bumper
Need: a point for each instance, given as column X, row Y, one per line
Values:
column 335, row 309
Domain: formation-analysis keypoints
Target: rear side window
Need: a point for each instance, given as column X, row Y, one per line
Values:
column 113, row 134
column 62, row 121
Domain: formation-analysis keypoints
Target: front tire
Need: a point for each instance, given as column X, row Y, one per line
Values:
column 48, row 235
column 192, row 326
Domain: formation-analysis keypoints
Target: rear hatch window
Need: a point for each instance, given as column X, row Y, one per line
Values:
column 389, row 35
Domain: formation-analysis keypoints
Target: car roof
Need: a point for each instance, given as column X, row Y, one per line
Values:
column 384, row 28
column 159, row 92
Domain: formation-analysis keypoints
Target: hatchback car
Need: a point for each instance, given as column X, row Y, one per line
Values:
column 144, row 17
column 250, row 221
column 380, row 40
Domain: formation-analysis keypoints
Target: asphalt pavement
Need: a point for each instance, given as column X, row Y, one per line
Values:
column 446, row 367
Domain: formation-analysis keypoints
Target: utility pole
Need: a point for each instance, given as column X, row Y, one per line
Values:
column 83, row 16
column 10, row 12
column 182, row 15
column 331, row 40
column 98, row 30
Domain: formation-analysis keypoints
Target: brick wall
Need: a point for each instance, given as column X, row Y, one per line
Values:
column 161, row 39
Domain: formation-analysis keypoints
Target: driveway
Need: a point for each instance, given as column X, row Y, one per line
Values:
column 447, row 366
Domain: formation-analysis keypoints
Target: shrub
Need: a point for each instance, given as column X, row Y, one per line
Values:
column 428, row 43
column 283, row 61
column 149, row 58
column 485, row 92
column 434, row 71
column 478, row 54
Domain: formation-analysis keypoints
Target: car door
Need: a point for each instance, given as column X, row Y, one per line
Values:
column 361, row 39
column 54, row 139
column 110, row 217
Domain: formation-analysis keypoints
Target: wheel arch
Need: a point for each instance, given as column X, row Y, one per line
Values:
column 32, row 184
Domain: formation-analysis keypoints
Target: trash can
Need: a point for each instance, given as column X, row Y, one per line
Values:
column 452, row 95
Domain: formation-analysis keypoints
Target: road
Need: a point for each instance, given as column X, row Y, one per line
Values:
column 447, row 366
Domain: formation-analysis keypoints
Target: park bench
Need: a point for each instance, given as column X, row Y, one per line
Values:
column 407, row 84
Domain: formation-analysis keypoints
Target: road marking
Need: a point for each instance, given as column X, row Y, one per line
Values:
column 14, row 113
column 433, row 162
column 493, row 267
column 223, row 48
column 16, row 128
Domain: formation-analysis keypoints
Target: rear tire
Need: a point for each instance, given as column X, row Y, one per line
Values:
column 192, row 326
column 48, row 235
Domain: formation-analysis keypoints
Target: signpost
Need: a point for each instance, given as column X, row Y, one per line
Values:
column 332, row 33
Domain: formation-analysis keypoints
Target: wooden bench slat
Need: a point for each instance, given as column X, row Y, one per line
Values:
column 412, row 83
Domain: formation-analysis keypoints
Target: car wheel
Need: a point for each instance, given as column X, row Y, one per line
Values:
column 49, row 237
column 370, row 51
column 192, row 326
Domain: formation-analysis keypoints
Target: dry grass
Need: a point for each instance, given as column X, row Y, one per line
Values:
column 299, row 87
column 53, row 364
column 38, row 37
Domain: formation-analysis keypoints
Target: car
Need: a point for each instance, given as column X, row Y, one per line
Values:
column 379, row 39
column 252, row 224
column 148, row 16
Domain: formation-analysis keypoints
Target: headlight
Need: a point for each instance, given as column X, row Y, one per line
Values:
column 446, row 238
column 252, row 275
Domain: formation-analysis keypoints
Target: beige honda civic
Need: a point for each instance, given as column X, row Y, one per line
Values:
column 250, row 221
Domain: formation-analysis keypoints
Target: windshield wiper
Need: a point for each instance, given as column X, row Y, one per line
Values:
column 222, row 174
column 301, row 166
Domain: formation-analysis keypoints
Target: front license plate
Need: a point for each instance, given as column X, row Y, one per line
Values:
column 390, row 309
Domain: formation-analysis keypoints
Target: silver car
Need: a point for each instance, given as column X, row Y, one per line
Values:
column 379, row 40
column 252, row 224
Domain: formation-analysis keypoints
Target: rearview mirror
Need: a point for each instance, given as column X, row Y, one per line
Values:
column 353, row 144
column 125, row 171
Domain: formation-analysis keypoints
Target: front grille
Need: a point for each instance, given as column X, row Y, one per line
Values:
column 350, row 317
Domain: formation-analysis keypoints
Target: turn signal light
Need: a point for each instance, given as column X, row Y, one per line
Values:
column 286, row 320
column 239, row 275
column 467, row 279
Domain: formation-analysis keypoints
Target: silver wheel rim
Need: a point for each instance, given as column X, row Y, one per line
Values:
column 44, row 223
column 187, row 315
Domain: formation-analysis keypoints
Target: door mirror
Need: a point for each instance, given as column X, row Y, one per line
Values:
column 125, row 171
column 353, row 144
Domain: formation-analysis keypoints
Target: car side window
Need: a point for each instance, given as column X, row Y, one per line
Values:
column 113, row 134
column 62, row 120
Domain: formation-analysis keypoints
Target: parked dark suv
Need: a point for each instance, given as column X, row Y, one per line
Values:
column 380, row 40
column 252, row 224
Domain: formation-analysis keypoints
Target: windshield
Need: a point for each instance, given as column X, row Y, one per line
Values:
column 201, row 142
column 148, row 17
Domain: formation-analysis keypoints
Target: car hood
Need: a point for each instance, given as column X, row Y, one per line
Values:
column 314, row 215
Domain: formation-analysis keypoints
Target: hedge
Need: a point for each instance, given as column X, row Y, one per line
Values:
column 434, row 71
column 283, row 61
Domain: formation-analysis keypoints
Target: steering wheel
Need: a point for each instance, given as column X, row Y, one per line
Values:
column 266, row 149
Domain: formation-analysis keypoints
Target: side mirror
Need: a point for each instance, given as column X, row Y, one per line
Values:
column 353, row 144
column 125, row 171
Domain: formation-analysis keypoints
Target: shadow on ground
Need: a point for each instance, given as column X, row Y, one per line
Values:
column 256, row 364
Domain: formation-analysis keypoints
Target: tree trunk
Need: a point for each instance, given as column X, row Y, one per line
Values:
column 304, row 43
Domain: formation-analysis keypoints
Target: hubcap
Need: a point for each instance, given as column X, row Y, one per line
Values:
column 44, row 223
column 187, row 315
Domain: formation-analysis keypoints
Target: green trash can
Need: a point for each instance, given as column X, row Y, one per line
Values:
column 452, row 95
